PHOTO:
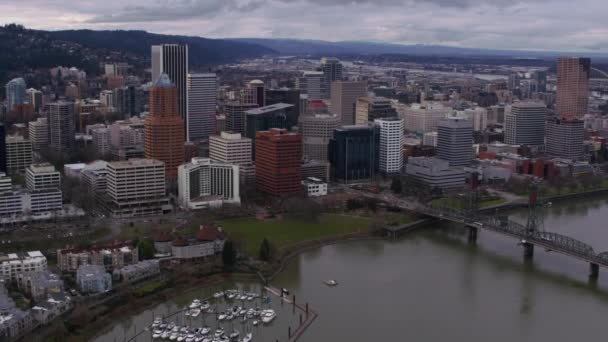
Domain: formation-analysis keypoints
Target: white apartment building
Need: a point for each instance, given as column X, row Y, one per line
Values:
column 39, row 133
column 18, row 154
column 204, row 183
column 391, row 145
column 42, row 177
column 13, row 264
column 136, row 187
column 423, row 117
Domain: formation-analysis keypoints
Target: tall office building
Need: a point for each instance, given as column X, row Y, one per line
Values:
column 540, row 76
column 368, row 109
column 256, row 93
column 565, row 138
column 353, row 153
column 265, row 118
column 455, row 140
column 289, row 96
column 573, row 86
column 163, row 128
column 172, row 59
column 2, row 148
column 344, row 95
column 332, row 70
column 312, row 83
column 202, row 102
column 236, row 119
column 317, row 130
column 279, row 159
column 61, row 126
column 15, row 93
column 390, row 157
column 205, row 183
column 525, row 124
column 34, row 97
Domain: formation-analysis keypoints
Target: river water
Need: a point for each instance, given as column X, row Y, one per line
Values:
column 432, row 285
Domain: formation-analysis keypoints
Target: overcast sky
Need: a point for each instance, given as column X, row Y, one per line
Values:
column 560, row 25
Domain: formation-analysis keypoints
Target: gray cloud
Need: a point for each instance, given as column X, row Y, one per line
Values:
column 513, row 24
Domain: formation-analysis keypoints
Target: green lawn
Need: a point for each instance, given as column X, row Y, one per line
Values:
column 250, row 232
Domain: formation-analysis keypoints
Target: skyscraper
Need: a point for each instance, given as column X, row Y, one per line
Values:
column 390, row 155
column 344, row 95
column 455, row 140
column 289, row 96
column 2, row 148
column 312, row 83
column 202, row 102
column 236, row 119
column 265, row 118
column 233, row 148
column 317, row 130
column 565, row 138
column 15, row 93
column 573, row 86
column 164, row 129
column 279, row 159
column 353, row 152
column 525, row 124
column 61, row 126
column 172, row 59
column 257, row 92
column 332, row 70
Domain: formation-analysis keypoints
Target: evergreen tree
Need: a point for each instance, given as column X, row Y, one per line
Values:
column 265, row 250
column 396, row 186
column 229, row 255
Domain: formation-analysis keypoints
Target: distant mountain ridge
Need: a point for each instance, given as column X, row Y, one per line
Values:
column 202, row 51
column 320, row 47
column 23, row 50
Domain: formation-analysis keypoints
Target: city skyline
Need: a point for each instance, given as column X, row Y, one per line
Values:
column 493, row 24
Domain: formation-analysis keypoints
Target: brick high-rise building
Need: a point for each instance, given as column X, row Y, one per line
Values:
column 573, row 86
column 278, row 162
column 164, row 128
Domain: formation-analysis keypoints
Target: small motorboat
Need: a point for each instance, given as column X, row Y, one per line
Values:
column 190, row 337
column 195, row 312
column 205, row 306
column 173, row 336
column 221, row 316
column 195, row 304
column 181, row 337
column 219, row 332
column 157, row 333
column 157, row 322
column 248, row 337
column 268, row 315
column 165, row 335
column 205, row 330
column 234, row 335
column 218, row 295
column 255, row 323
column 331, row 282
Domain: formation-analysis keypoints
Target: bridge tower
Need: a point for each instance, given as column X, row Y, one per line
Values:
column 472, row 205
column 535, row 218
